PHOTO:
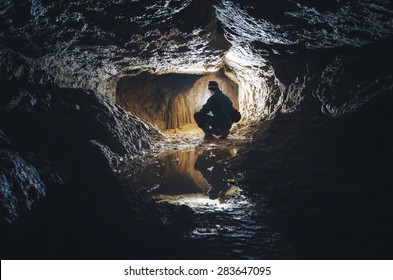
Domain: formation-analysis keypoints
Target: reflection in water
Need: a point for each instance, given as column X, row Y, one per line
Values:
column 226, row 221
column 174, row 174
column 190, row 174
column 211, row 165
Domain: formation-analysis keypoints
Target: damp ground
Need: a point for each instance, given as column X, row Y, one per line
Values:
column 227, row 222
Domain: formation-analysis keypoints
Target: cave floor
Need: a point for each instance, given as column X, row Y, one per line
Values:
column 226, row 222
column 191, row 136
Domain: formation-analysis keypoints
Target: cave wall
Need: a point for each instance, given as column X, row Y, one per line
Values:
column 170, row 100
column 42, row 131
column 93, row 44
column 61, row 196
column 279, row 49
column 333, row 82
column 322, row 160
column 320, row 73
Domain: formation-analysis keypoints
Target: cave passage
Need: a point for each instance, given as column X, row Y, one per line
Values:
column 169, row 101
column 189, row 172
column 91, row 87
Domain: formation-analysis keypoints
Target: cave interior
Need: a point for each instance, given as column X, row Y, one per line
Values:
column 91, row 92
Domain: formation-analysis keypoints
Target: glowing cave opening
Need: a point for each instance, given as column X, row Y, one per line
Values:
column 169, row 101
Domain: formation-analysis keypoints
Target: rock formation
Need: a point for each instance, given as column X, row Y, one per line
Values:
column 316, row 77
column 57, row 153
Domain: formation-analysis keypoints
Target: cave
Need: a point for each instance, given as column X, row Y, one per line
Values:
column 169, row 101
column 101, row 157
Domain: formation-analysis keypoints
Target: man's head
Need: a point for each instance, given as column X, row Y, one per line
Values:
column 212, row 86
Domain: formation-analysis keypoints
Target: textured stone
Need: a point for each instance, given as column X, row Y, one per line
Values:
column 318, row 72
column 20, row 184
column 47, row 125
column 327, row 180
column 92, row 45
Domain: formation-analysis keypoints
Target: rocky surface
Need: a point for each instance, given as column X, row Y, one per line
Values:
column 21, row 185
column 325, row 169
column 59, row 148
column 92, row 45
column 318, row 73
column 328, row 180
column 89, row 44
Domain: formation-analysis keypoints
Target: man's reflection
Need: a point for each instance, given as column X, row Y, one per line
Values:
column 187, row 172
column 211, row 164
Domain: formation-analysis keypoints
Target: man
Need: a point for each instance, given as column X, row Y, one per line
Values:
column 219, row 121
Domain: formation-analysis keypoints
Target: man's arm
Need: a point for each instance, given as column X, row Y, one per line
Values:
column 208, row 105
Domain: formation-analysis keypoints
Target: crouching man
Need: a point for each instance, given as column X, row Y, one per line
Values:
column 215, row 116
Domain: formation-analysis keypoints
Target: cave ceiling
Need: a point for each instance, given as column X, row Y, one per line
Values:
column 89, row 43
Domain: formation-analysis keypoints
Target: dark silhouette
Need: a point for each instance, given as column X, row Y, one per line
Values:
column 215, row 116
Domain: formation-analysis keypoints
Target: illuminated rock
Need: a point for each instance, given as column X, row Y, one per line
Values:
column 287, row 63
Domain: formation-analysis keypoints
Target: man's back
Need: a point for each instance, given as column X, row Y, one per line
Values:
column 220, row 105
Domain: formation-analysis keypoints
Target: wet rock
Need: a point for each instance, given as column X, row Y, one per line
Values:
column 333, row 82
column 327, row 180
column 60, row 188
column 92, row 216
column 311, row 69
column 96, row 40
column 49, row 120
column 4, row 141
column 21, row 186
column 42, row 128
column 67, row 43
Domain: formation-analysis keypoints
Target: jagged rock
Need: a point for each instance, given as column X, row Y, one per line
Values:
column 47, row 119
column 47, row 125
column 92, row 216
column 62, row 188
column 328, row 180
column 4, row 141
column 20, row 184
column 319, row 72
column 93, row 45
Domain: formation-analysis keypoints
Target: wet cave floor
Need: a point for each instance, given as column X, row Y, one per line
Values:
column 226, row 221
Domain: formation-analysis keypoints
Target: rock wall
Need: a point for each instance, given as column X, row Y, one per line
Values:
column 277, row 46
column 318, row 72
column 169, row 100
column 21, row 186
column 323, row 159
column 92, row 45
column 60, row 196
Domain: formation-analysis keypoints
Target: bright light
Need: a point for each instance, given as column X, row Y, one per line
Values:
column 201, row 203
column 249, row 71
column 202, row 98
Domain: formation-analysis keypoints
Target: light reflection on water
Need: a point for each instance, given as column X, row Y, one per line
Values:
column 226, row 220
column 189, row 172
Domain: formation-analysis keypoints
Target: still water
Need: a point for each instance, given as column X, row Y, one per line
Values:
column 227, row 223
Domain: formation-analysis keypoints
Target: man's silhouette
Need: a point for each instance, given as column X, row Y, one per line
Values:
column 215, row 116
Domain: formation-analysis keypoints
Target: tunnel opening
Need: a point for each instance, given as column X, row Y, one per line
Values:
column 320, row 74
column 170, row 100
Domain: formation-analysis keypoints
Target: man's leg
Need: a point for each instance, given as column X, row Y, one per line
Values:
column 224, row 134
column 204, row 122
column 220, row 130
